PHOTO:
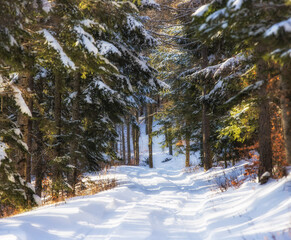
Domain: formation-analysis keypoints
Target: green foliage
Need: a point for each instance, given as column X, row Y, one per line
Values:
column 241, row 124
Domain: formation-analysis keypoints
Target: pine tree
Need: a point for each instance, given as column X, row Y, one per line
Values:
column 238, row 22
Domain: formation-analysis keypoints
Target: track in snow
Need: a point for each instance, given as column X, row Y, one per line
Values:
column 160, row 205
column 148, row 204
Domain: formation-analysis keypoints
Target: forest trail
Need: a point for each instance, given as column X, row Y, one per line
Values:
column 163, row 203
column 148, row 204
column 160, row 204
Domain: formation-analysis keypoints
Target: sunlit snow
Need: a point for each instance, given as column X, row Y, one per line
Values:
column 167, row 202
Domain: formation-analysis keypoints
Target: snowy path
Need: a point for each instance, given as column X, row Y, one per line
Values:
column 161, row 204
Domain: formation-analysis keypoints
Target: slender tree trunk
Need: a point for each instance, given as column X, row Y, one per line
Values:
column 187, row 163
column 146, row 120
column 205, row 122
column 120, row 141
column 74, row 144
column 38, row 163
column 150, row 129
column 170, row 140
column 137, row 140
column 58, row 113
column 166, row 136
column 225, row 161
column 206, row 137
column 286, row 107
column 58, row 121
column 133, row 133
column 123, row 143
column 128, row 141
column 265, row 144
column 171, row 147
column 29, row 133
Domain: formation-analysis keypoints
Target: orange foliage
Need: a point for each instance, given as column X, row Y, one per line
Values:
column 180, row 143
column 278, row 150
column 279, row 155
column 252, row 168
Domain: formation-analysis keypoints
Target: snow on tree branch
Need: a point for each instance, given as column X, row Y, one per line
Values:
column 86, row 40
column 150, row 3
column 55, row 44
column 235, row 4
column 219, row 69
column 200, row 11
column 20, row 101
column 274, row 30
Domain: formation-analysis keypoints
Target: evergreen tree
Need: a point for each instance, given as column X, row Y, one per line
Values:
column 237, row 22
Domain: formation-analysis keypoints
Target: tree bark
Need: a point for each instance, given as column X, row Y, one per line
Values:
column 166, row 136
column 150, row 129
column 38, row 163
column 58, row 113
column 205, row 122
column 29, row 133
column 137, row 140
column 128, row 141
column 285, row 81
column 171, row 147
column 187, row 163
column 123, row 143
column 146, row 120
column 58, row 123
column 265, row 145
column 133, row 133
column 74, row 144
column 170, row 140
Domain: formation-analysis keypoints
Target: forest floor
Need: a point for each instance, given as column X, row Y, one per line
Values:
column 167, row 202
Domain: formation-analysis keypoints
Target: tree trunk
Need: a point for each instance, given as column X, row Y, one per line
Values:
column 206, row 137
column 58, row 122
column 146, row 120
column 74, row 144
column 166, row 136
column 205, row 122
column 187, row 163
column 171, row 147
column 170, row 140
column 265, row 145
column 29, row 133
column 128, row 141
column 286, row 107
column 38, row 163
column 137, row 141
column 123, row 143
column 150, row 129
column 133, row 133
column 58, row 113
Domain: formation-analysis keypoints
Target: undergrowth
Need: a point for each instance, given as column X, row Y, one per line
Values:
column 84, row 187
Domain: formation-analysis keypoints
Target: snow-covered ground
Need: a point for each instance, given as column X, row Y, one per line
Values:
column 163, row 203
